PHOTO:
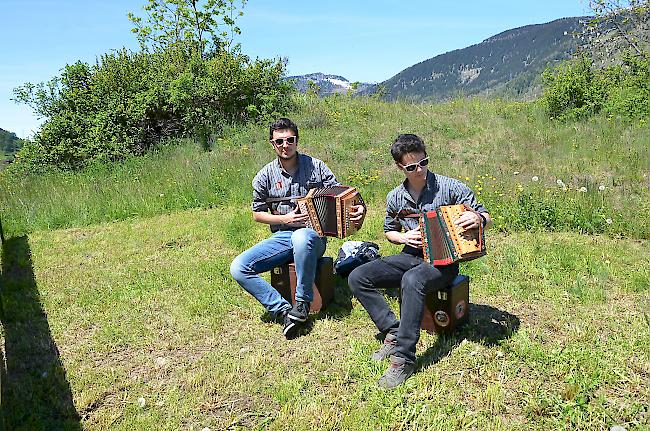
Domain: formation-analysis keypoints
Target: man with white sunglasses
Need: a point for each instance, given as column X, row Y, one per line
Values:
column 421, row 191
column 275, row 189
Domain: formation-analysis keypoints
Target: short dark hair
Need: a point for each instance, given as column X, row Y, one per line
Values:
column 407, row 143
column 283, row 124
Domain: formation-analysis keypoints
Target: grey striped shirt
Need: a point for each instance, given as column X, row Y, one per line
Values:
column 273, row 182
column 440, row 190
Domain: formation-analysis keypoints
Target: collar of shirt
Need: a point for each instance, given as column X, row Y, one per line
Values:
column 429, row 187
column 283, row 171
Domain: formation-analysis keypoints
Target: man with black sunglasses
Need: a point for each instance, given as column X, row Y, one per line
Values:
column 275, row 189
column 421, row 191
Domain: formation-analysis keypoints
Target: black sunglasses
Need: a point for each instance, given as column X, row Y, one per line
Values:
column 413, row 166
column 280, row 141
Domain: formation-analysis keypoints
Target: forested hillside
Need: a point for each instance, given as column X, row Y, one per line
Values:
column 509, row 63
column 9, row 142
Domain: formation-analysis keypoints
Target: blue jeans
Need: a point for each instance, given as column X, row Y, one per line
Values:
column 303, row 247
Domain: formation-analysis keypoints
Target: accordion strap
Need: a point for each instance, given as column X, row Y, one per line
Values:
column 283, row 199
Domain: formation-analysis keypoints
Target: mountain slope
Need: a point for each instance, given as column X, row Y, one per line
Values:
column 510, row 62
column 326, row 84
column 9, row 143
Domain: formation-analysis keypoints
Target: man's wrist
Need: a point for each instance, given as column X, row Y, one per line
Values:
column 483, row 219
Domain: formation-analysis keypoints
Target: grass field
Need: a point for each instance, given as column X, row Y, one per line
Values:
column 119, row 312
column 138, row 325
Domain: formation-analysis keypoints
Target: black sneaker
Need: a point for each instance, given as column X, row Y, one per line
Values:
column 299, row 312
column 290, row 327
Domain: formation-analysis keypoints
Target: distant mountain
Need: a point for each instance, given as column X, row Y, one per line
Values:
column 509, row 63
column 9, row 143
column 327, row 84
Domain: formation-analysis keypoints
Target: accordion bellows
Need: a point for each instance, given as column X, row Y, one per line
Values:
column 329, row 210
column 444, row 243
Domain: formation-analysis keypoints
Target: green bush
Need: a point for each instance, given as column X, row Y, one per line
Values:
column 576, row 89
column 630, row 97
column 128, row 102
column 573, row 90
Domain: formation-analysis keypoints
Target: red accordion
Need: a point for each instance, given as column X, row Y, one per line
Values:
column 444, row 243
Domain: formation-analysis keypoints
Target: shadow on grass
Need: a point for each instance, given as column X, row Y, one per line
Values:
column 35, row 392
column 486, row 325
column 337, row 309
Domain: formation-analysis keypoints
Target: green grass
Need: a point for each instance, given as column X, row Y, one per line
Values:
column 495, row 147
column 119, row 312
column 146, row 308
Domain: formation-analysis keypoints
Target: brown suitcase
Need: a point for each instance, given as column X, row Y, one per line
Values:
column 447, row 308
column 283, row 279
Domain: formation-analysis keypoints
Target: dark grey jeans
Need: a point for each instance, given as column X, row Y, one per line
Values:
column 416, row 279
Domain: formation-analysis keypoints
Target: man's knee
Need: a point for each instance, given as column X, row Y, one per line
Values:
column 354, row 279
column 412, row 281
column 237, row 268
column 423, row 280
column 304, row 237
column 359, row 278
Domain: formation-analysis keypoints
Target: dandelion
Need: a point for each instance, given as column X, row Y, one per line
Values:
column 583, row 189
column 609, row 221
column 560, row 183
column 601, row 188
column 535, row 178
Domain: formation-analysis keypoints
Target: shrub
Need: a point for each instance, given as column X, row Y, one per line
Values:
column 128, row 102
column 576, row 90
column 572, row 90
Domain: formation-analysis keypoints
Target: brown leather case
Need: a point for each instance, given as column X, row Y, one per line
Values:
column 283, row 279
column 447, row 308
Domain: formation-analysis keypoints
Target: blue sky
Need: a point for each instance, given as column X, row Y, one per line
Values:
column 367, row 41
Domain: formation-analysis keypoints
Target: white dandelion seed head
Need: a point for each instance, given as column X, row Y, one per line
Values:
column 601, row 187
column 535, row 178
column 583, row 189
column 609, row 221
column 560, row 182
column 142, row 402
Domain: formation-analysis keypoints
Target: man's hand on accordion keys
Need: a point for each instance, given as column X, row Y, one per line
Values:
column 357, row 212
column 413, row 237
column 294, row 217
column 469, row 220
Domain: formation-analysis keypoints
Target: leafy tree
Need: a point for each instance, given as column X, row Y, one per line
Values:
column 206, row 26
column 618, row 26
column 572, row 90
column 128, row 102
column 611, row 71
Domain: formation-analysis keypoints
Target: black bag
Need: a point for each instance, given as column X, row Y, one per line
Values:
column 353, row 254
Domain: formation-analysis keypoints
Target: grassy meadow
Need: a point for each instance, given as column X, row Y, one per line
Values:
column 119, row 312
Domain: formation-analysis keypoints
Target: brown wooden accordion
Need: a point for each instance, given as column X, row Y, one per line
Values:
column 444, row 243
column 329, row 210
